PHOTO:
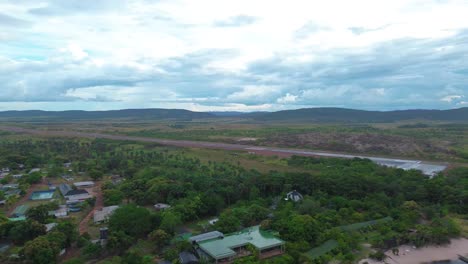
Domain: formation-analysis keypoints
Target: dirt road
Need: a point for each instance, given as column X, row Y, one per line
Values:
column 97, row 192
column 427, row 168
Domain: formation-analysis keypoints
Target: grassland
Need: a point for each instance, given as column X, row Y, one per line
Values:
column 429, row 140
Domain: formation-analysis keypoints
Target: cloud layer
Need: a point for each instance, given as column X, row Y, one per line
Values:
column 233, row 55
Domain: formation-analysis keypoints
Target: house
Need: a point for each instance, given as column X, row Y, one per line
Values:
column 34, row 170
column 67, row 165
column 17, row 176
column 294, row 196
column 213, row 221
column 10, row 186
column 50, row 226
column 116, row 179
column 186, row 257
column 84, row 184
column 78, row 195
column 104, row 214
column 73, row 194
column 64, row 189
column 228, row 248
column 161, row 206
column 5, row 169
column 12, row 192
column 61, row 212
column 206, row 236
column 4, row 174
column 67, row 177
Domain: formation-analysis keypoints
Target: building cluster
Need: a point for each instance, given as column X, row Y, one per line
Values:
column 215, row 247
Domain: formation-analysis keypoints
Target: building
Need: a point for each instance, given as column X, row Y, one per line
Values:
column 294, row 196
column 50, row 226
column 64, row 189
column 17, row 176
column 34, row 170
column 61, row 212
column 213, row 221
column 186, row 257
column 104, row 214
column 73, row 194
column 230, row 247
column 84, row 184
column 116, row 179
column 206, row 236
column 11, row 186
column 161, row 206
column 4, row 174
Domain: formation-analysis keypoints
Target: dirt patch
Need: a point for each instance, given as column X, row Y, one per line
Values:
column 411, row 255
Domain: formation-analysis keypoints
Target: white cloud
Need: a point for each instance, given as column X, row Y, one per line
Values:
column 288, row 98
column 451, row 98
column 75, row 51
column 236, row 53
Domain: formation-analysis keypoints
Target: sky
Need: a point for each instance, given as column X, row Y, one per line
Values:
column 242, row 55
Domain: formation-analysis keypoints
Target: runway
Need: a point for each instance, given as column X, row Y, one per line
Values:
column 428, row 168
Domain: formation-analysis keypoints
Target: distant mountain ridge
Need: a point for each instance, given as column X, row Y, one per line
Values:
column 125, row 113
column 298, row 115
column 352, row 115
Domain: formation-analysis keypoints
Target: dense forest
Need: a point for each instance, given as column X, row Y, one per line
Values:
column 337, row 194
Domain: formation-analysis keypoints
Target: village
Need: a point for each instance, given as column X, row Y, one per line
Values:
column 79, row 198
column 121, row 202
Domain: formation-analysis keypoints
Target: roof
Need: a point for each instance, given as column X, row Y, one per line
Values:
column 64, row 188
column 50, row 226
column 187, row 257
column 223, row 248
column 34, row 170
column 104, row 213
column 11, row 186
column 161, row 206
column 83, row 183
column 20, row 210
column 76, row 192
column 14, row 219
column 206, row 236
column 294, row 195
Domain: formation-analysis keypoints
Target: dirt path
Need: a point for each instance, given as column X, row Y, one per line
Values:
column 410, row 255
column 97, row 192
column 429, row 168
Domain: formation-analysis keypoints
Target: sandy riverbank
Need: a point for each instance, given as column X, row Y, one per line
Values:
column 410, row 255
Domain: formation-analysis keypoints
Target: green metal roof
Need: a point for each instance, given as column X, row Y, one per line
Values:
column 14, row 219
column 219, row 248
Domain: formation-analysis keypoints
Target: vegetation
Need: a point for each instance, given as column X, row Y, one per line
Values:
column 347, row 201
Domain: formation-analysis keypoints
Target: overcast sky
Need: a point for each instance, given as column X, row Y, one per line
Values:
column 211, row 55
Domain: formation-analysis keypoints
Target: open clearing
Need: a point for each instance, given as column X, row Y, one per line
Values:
column 427, row 168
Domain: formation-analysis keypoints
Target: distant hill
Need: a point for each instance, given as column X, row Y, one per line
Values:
column 351, row 115
column 237, row 114
column 299, row 115
column 146, row 114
